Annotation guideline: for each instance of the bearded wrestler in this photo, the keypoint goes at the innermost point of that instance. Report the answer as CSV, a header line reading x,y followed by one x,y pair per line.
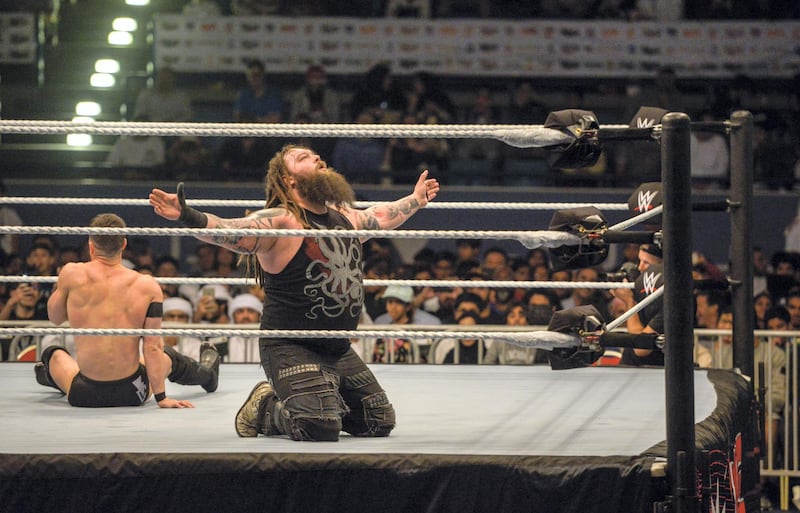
x,y
315,388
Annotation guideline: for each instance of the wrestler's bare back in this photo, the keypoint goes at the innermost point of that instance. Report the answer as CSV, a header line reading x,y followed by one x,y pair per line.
x,y
103,295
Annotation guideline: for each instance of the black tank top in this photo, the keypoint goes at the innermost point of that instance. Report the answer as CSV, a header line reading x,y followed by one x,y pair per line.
x,y
320,288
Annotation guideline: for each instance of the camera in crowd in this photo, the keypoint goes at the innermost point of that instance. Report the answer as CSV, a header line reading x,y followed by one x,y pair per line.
x,y
629,271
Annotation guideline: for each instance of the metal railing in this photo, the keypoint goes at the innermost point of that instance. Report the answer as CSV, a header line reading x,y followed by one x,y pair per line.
x,y
776,358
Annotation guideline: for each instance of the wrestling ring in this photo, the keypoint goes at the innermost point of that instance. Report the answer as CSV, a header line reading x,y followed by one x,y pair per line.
x,y
468,438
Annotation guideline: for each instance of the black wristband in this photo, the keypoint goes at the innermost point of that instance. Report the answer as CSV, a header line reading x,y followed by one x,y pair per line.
x,y
160,396
190,217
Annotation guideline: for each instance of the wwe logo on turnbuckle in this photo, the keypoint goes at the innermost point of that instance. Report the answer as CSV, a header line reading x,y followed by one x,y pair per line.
x,y
645,123
649,281
645,200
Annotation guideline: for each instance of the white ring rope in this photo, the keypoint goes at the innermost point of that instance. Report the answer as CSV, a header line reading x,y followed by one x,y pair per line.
x,y
451,205
616,323
448,328
521,136
541,339
514,135
624,225
370,282
529,239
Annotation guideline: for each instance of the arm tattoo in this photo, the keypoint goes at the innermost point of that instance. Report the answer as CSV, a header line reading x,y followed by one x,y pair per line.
x,y
371,218
261,220
368,221
409,206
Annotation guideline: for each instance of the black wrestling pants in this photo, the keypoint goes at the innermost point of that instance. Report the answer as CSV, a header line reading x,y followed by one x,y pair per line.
x,y
320,394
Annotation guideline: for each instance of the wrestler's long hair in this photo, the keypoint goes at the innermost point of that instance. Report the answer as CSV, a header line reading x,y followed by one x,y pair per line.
x,y
278,195
276,188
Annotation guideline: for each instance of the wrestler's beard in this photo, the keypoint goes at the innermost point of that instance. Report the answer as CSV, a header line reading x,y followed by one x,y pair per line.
x,y
325,187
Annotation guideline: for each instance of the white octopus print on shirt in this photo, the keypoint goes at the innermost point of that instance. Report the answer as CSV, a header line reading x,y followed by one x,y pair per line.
x,y
335,277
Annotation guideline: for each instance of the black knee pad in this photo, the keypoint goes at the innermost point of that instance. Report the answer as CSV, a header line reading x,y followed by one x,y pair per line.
x,y
316,430
315,409
42,369
379,415
47,354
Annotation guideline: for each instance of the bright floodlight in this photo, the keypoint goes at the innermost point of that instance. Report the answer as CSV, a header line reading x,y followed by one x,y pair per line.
x,y
102,80
106,66
118,38
137,2
88,109
79,140
124,24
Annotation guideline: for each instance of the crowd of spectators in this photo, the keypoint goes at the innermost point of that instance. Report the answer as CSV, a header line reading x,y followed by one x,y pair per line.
x,y
381,96
776,284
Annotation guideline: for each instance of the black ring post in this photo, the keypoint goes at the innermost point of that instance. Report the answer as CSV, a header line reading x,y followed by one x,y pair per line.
x,y
678,310
741,198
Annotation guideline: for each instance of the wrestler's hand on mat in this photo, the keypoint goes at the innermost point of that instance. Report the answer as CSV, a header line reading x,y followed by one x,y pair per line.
x,y
174,403
426,189
168,206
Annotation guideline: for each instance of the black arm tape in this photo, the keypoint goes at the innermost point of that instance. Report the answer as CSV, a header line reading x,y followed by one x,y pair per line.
x,y
156,309
190,217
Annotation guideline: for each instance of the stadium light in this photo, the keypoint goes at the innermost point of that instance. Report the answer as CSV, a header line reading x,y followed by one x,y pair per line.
x,y
88,109
124,24
79,140
119,38
107,66
102,80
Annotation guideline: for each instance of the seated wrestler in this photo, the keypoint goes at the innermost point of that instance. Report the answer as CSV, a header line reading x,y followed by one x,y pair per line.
x,y
110,370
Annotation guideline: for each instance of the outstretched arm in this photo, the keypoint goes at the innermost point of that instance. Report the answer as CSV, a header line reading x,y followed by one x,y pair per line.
x,y
173,207
387,216
266,219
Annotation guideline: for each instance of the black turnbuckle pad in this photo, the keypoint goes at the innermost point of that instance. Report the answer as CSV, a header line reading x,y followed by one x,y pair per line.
x,y
585,149
587,223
